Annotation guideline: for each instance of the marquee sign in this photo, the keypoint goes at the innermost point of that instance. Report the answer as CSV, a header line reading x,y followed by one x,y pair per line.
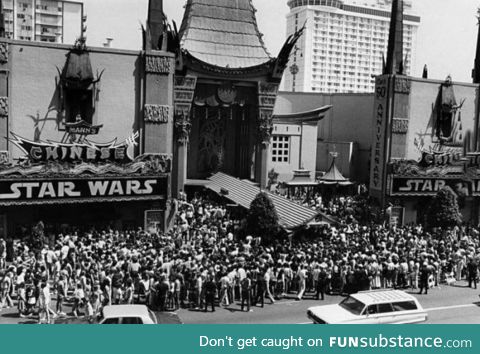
x,y
378,155
82,128
403,186
28,191
86,151
450,158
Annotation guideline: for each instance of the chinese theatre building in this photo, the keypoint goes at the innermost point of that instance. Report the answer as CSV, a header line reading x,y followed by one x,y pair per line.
x,y
225,90
106,138
82,144
425,137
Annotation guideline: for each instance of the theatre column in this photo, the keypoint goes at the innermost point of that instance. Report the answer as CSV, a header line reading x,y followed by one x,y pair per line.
x,y
183,96
4,101
267,94
4,129
158,105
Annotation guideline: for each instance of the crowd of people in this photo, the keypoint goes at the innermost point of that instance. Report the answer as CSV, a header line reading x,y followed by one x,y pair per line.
x,y
201,264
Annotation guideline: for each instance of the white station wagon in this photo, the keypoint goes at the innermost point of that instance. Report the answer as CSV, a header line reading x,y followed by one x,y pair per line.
x,y
371,307
127,314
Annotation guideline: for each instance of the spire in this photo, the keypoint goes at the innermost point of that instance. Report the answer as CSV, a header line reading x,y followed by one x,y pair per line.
x,y
425,72
395,41
476,69
155,24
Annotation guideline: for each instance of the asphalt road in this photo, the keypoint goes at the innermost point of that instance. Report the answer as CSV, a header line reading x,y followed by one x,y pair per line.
x,y
445,305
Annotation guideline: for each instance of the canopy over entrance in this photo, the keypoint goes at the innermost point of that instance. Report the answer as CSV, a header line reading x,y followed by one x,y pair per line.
x,y
290,214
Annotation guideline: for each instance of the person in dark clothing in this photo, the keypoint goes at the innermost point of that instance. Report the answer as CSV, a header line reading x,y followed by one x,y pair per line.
x,y
162,291
210,291
362,279
261,288
472,273
321,284
246,286
424,273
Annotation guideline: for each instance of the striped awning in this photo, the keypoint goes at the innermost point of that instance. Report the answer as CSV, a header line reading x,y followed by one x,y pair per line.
x,y
290,214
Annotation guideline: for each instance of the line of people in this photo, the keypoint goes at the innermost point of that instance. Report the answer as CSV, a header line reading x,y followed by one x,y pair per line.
x,y
201,263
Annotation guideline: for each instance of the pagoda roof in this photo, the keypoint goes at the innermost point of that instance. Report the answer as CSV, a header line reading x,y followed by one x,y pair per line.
x,y
312,116
301,178
334,176
223,33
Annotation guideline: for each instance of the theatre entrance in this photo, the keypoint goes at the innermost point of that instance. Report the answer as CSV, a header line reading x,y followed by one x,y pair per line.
x,y
223,136
67,218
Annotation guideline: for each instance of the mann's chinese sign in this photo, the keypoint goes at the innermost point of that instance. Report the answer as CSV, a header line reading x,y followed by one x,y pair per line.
x,y
88,151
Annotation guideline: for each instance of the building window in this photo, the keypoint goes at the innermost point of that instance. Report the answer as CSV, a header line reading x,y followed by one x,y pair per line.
x,y
281,148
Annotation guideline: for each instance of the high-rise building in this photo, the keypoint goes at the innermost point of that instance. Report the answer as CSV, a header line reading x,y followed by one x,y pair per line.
x,y
43,20
344,44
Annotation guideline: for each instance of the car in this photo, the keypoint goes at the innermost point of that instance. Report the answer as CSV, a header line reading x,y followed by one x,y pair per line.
x,y
126,314
371,307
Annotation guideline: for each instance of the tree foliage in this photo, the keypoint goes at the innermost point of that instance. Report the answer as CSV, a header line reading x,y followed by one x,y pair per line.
x,y
443,210
262,218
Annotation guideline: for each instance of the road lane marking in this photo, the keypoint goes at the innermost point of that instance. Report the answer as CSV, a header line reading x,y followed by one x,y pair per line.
x,y
450,307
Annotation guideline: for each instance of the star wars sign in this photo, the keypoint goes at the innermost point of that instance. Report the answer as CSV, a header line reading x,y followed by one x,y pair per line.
x,y
402,186
86,151
29,191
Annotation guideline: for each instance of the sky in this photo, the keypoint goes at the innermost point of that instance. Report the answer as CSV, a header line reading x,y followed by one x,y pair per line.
x,y
446,39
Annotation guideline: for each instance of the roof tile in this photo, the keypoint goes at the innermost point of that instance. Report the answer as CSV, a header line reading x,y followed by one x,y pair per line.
x,y
223,33
243,193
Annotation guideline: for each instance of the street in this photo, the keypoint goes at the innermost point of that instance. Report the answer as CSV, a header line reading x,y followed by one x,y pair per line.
x,y
445,305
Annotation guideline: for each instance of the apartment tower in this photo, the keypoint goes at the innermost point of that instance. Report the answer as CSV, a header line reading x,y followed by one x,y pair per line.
x,y
344,44
43,20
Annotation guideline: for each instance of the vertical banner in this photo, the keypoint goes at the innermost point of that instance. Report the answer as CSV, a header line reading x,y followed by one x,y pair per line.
x,y
379,145
397,216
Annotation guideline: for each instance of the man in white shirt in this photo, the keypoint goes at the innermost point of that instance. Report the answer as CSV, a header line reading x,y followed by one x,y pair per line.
x,y
302,282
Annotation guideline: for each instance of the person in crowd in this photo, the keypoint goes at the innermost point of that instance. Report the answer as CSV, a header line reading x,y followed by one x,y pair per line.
x,y
246,286
78,300
61,289
321,284
424,274
205,247
472,269
21,300
210,292
3,253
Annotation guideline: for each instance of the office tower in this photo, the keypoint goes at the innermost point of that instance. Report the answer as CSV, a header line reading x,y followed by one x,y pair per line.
x,y
43,20
344,44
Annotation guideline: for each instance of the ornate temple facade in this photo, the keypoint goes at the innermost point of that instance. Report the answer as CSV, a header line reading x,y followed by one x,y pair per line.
x,y
103,137
226,85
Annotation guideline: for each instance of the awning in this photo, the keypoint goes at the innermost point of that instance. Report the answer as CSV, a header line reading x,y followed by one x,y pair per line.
x,y
327,183
301,178
290,214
